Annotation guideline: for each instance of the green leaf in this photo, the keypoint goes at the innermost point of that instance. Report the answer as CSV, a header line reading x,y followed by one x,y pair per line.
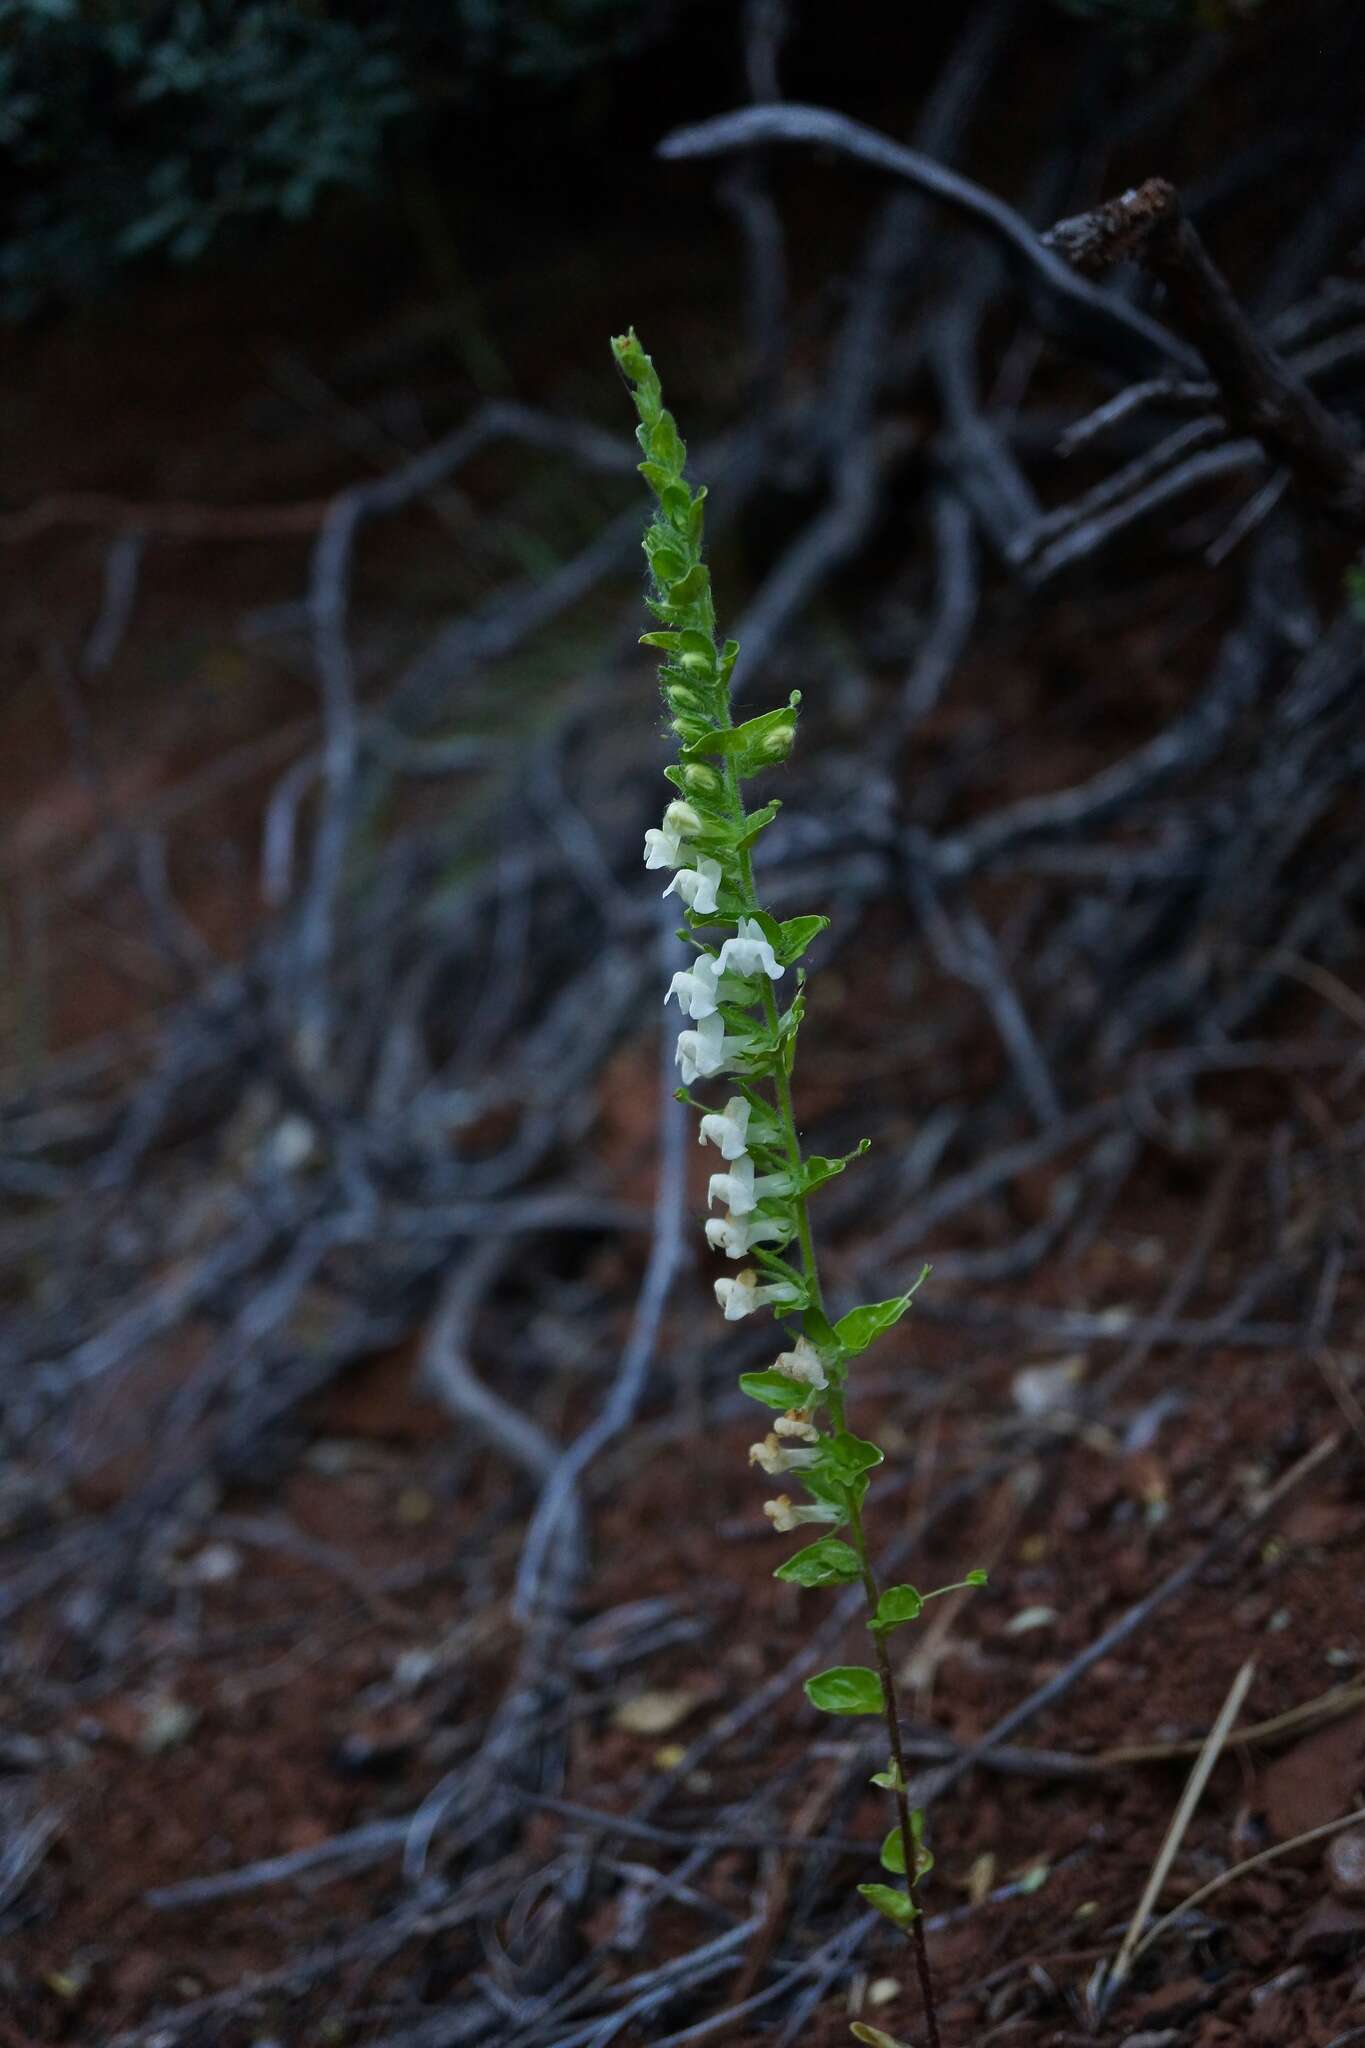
x,y
691,588
774,1389
816,1169
874,2037
846,1689
906,1603
850,1455
826,1563
758,743
977,1578
893,1849
669,567
676,501
897,1604
890,1779
834,1488
665,445
796,934
756,822
897,1906
861,1326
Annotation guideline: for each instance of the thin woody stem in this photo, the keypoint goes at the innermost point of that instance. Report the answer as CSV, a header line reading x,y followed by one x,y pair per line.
x,y
915,1931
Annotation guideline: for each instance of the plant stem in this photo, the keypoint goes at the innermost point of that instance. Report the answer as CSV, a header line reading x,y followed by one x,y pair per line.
x,y
915,1931
835,1398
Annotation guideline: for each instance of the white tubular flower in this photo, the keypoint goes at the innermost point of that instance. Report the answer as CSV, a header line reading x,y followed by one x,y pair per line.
x,y
773,1459
803,1363
735,1188
695,988
697,886
742,1295
727,1128
748,952
785,1515
794,1423
733,1235
738,1189
701,1053
664,849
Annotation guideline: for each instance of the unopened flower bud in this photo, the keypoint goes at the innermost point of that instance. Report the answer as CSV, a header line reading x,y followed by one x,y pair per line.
x,y
680,818
683,699
777,742
702,779
698,664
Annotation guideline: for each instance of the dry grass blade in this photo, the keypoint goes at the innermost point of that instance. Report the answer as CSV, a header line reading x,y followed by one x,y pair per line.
x,y
1271,1855
1106,1983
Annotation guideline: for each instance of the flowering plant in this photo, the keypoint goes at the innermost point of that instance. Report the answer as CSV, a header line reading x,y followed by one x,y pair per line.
x,y
735,1025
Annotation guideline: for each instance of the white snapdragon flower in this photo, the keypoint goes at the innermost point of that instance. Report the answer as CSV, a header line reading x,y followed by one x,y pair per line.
x,y
695,988
785,1515
664,844
738,1189
697,886
748,952
773,1459
734,1235
803,1363
742,1295
727,1129
701,1053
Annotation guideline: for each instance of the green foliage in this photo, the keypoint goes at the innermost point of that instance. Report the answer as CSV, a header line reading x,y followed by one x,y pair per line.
x,y
827,1563
898,1907
847,1689
899,1604
816,1169
773,1389
896,1605
862,1326
131,128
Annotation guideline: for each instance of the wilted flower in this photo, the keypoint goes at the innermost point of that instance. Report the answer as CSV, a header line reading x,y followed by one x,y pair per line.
x,y
772,1458
784,1514
802,1362
795,1423
742,1295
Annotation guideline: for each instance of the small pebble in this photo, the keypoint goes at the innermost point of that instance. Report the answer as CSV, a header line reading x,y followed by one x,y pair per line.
x,y
1346,1866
